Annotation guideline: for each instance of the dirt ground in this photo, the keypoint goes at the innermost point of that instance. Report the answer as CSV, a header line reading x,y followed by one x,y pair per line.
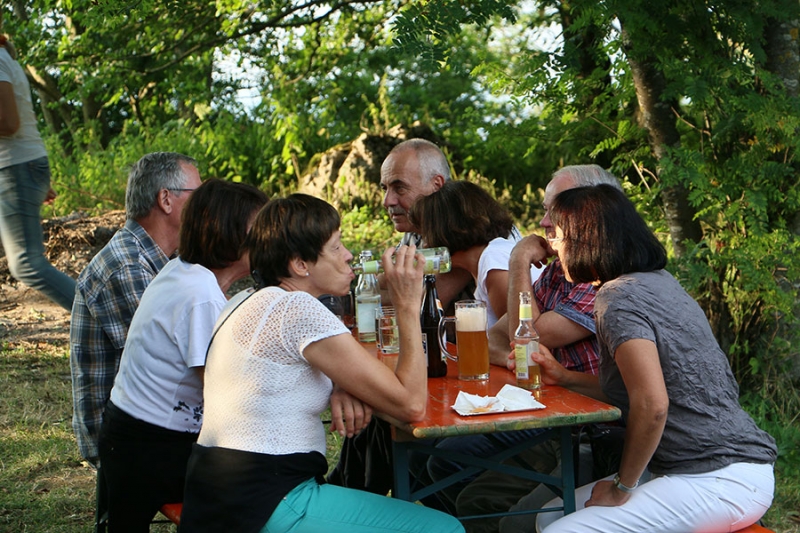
x,y
71,242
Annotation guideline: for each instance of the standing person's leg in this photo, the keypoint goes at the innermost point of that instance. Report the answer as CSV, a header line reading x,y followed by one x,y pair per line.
x,y
482,446
311,508
539,497
727,499
496,492
23,188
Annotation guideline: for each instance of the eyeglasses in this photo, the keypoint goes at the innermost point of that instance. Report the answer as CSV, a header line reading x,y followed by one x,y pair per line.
x,y
553,240
180,190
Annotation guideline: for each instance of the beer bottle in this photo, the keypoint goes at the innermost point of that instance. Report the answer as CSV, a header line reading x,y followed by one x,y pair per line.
x,y
526,342
437,261
429,320
368,299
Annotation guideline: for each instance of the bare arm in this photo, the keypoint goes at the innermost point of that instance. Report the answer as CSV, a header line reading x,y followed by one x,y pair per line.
x,y
499,343
403,394
496,289
530,250
639,365
554,330
9,116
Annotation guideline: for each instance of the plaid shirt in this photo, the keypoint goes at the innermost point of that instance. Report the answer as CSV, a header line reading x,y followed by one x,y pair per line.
x,y
107,294
574,301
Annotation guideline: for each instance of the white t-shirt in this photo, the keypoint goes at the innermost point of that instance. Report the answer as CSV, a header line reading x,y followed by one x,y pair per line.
x,y
261,394
26,144
158,379
495,257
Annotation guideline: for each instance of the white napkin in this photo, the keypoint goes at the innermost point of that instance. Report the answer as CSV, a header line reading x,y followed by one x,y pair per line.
x,y
510,398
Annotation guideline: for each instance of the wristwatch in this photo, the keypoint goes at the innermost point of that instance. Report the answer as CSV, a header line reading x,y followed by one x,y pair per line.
x,y
624,488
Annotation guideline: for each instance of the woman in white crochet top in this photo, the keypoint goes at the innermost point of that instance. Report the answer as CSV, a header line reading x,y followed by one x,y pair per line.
x,y
259,463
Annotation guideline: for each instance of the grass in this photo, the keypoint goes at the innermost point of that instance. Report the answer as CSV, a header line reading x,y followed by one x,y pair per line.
x,y
46,488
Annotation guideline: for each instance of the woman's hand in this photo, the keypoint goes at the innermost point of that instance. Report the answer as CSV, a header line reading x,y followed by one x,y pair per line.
x,y
349,415
605,494
553,372
404,276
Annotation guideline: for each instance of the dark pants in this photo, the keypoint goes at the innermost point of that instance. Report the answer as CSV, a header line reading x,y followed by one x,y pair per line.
x,y
365,463
365,460
144,467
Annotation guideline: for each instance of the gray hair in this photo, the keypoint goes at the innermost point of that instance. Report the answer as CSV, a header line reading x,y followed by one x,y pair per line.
x,y
432,161
588,176
153,172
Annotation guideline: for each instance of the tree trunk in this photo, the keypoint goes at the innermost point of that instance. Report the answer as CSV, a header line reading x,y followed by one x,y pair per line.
x,y
783,53
57,112
93,116
783,59
658,119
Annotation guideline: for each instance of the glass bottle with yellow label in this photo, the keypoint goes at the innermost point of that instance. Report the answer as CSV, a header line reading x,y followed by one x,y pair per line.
x,y
526,342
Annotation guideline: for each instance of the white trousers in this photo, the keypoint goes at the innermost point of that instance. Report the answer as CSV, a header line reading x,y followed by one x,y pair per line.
x,y
721,501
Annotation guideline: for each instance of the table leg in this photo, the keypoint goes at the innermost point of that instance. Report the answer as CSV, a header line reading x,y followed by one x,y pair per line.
x,y
567,470
402,483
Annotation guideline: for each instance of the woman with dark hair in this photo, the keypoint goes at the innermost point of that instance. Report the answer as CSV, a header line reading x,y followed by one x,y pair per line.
x,y
479,233
711,466
259,462
156,407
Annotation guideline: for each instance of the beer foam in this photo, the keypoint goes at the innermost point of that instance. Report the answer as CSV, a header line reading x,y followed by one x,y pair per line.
x,y
471,319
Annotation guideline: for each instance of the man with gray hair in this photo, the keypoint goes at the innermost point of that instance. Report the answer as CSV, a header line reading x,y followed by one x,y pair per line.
x,y
416,168
413,168
110,287
555,326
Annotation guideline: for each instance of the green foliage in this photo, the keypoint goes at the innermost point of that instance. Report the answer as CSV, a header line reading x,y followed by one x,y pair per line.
x,y
752,277
735,153
775,408
365,229
424,28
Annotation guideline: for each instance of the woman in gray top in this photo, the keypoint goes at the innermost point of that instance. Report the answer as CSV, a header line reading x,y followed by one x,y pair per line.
x,y
711,465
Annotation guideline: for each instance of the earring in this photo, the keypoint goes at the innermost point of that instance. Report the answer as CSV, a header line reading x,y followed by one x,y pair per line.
x,y
308,274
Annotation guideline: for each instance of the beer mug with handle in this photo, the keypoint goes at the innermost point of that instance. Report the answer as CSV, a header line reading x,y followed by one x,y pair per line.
x,y
472,344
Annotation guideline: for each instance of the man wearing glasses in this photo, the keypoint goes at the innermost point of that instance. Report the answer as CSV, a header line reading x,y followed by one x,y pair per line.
x,y
110,287
564,319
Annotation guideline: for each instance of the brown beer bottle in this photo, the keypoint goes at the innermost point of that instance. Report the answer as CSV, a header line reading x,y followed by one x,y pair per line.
x,y
429,320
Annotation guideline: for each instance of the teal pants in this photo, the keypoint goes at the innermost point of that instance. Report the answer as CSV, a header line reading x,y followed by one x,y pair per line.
x,y
314,508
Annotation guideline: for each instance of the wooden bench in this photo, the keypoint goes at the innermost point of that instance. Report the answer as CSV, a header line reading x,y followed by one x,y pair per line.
x,y
173,512
755,528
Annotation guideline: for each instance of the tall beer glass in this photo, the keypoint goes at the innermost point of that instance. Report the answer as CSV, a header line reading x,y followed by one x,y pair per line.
x,y
472,344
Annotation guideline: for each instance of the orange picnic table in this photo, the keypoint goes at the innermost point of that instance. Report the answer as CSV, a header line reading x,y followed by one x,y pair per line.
x,y
563,411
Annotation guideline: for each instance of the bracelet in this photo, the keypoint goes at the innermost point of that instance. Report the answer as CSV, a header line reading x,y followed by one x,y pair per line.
x,y
624,488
